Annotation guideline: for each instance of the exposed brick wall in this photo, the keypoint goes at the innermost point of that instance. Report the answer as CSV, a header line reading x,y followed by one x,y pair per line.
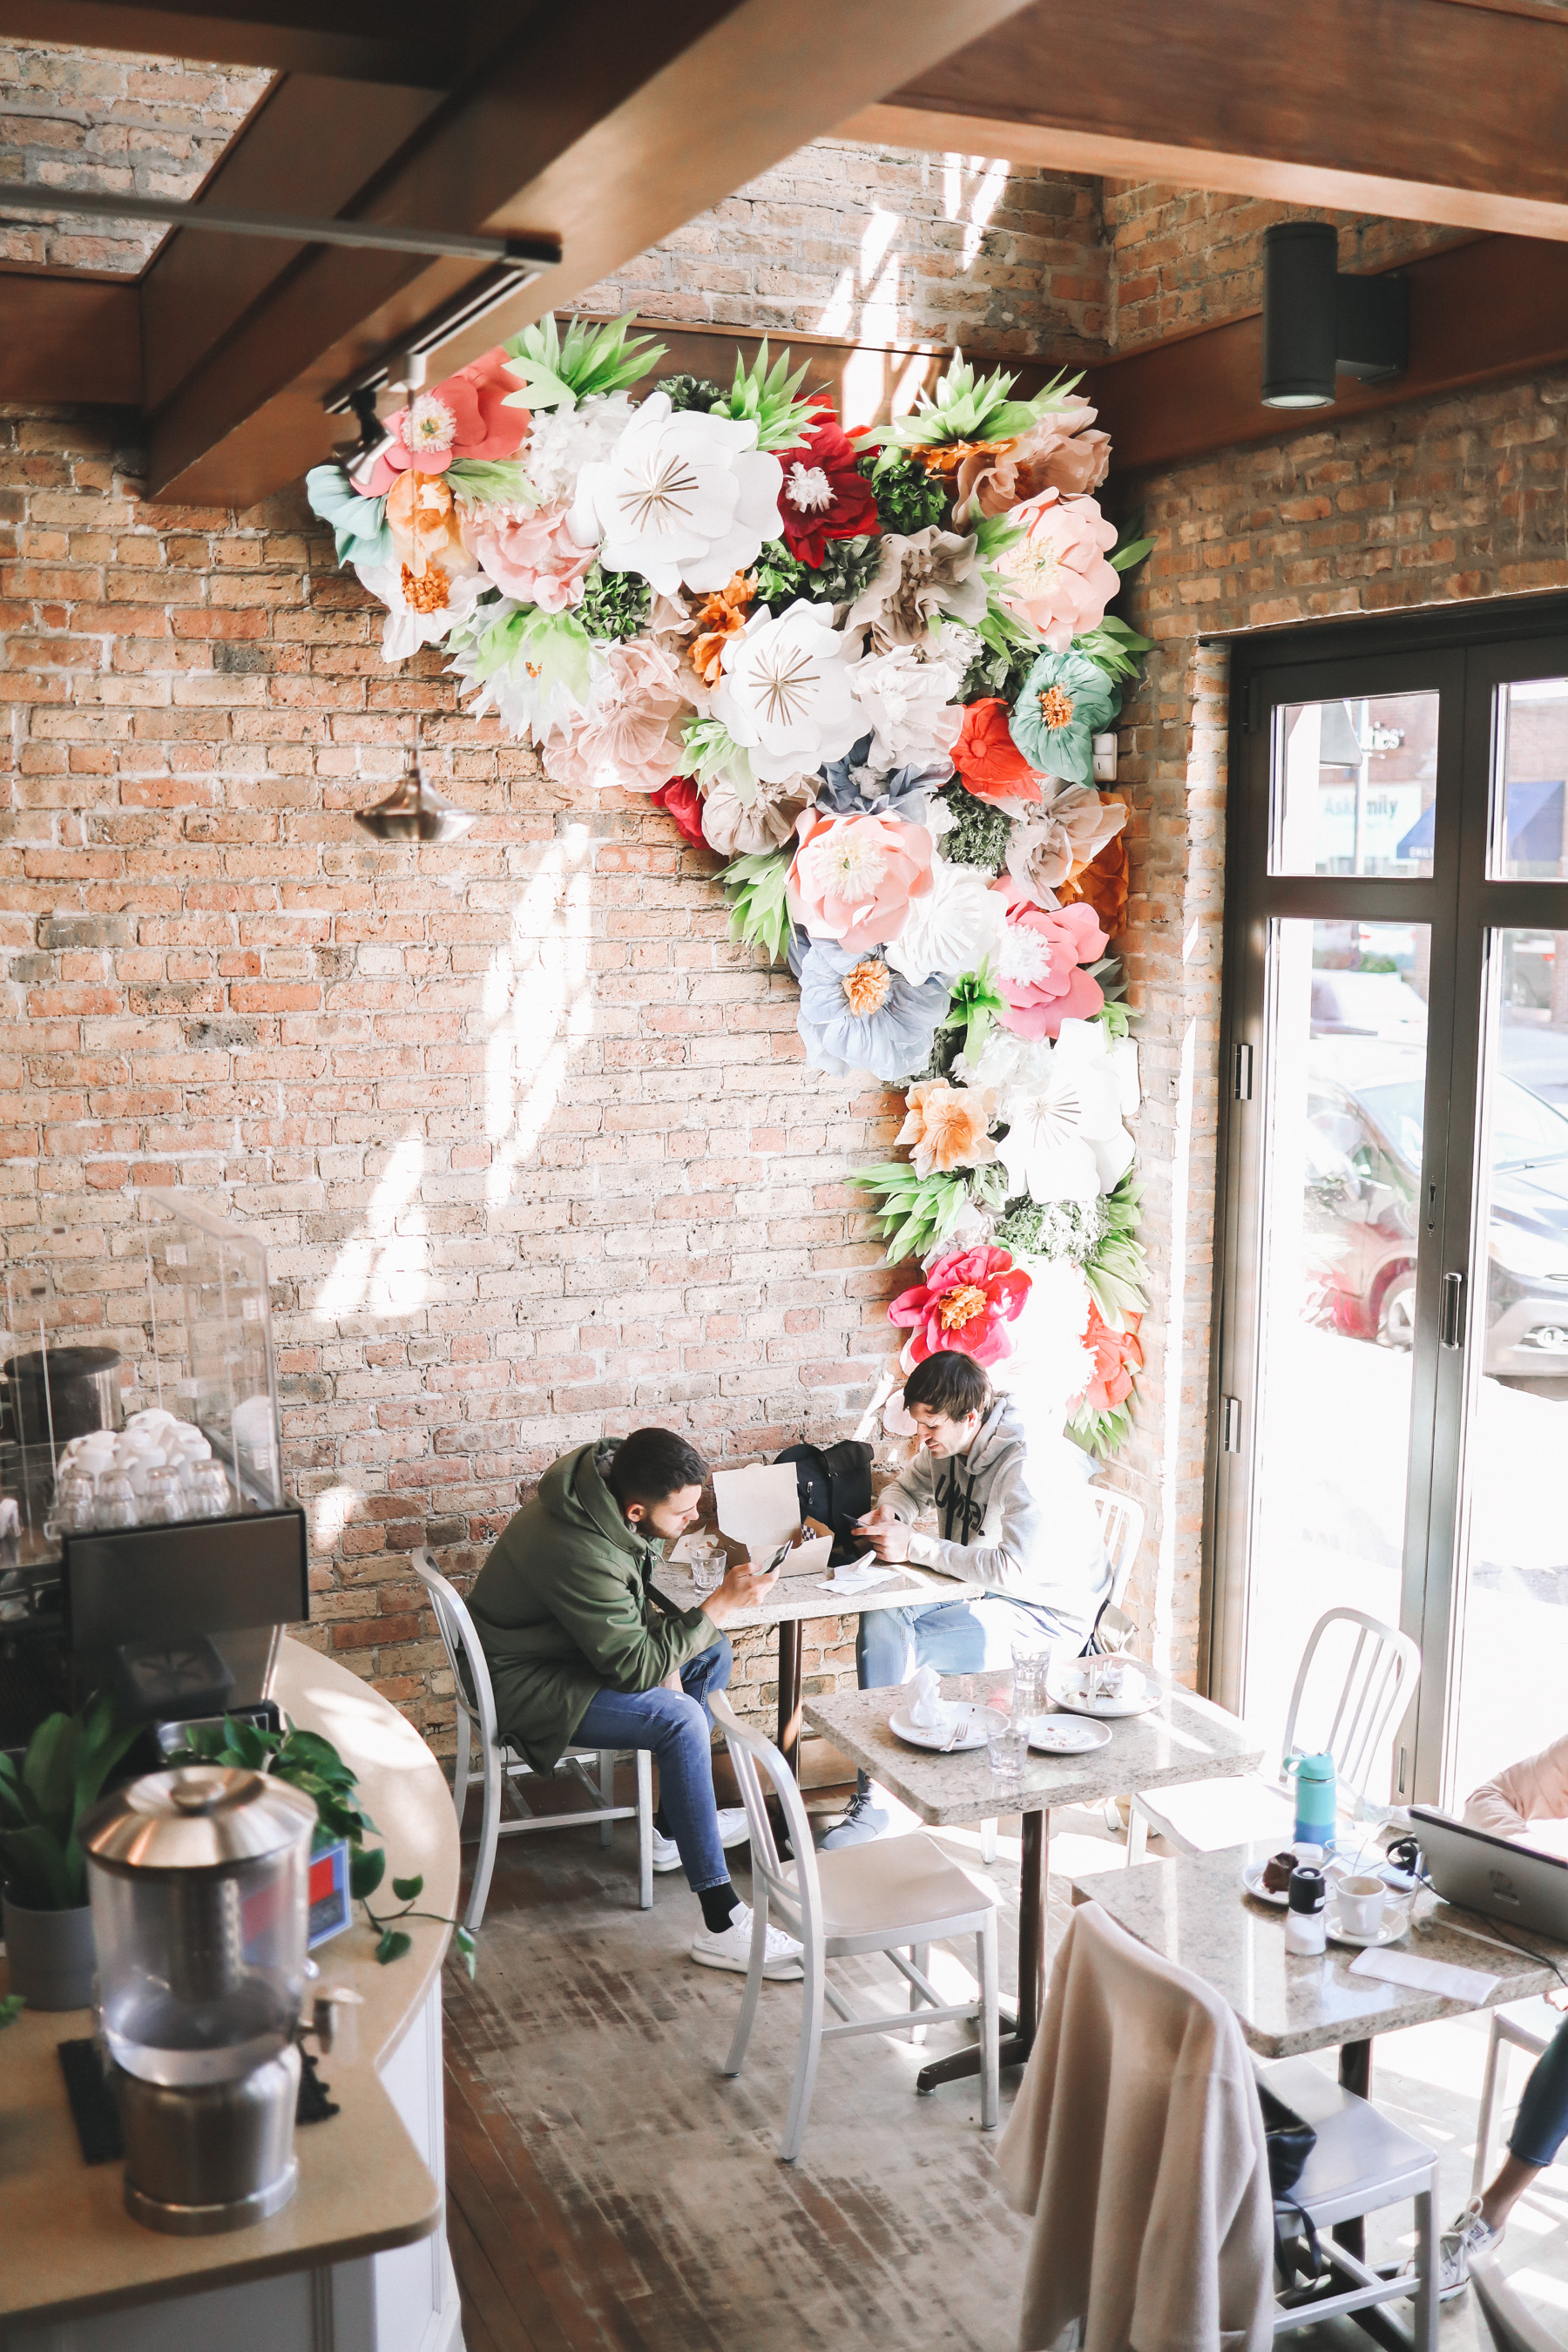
x,y
92,119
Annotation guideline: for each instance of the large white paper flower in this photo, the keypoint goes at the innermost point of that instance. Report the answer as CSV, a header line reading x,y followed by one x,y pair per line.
x,y
1064,1107
683,497
909,707
562,441
406,628
952,928
785,693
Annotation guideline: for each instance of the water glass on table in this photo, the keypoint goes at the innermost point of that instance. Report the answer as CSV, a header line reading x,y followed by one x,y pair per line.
x,y
1031,1673
706,1558
1007,1752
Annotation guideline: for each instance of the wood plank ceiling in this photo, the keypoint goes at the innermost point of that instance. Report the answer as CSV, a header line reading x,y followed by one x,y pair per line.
x,y
612,125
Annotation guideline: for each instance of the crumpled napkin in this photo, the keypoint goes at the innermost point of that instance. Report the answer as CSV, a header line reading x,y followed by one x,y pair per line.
x,y
928,1707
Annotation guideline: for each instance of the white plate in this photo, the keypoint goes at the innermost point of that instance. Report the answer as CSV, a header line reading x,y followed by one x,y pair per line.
x,y
1252,1879
1389,1932
1068,1686
974,1723
1057,1735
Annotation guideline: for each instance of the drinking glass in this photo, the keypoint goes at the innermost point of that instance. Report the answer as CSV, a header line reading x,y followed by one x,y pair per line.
x,y
163,1499
116,1504
1031,1674
708,1562
1007,1752
207,1487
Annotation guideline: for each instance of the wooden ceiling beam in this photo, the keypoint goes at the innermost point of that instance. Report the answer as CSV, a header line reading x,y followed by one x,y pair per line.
x,y
611,126
69,334
1479,313
352,40
1415,109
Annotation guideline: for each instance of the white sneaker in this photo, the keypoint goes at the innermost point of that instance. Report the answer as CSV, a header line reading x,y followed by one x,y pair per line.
x,y
733,1949
733,1830
1469,2236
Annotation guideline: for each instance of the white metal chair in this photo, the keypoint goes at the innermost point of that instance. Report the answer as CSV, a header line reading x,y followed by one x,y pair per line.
x,y
1511,2326
500,1766
1121,1532
1362,2163
1505,2032
898,1896
1380,1680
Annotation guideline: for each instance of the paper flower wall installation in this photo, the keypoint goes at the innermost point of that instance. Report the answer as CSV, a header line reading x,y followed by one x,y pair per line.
x,y
865,669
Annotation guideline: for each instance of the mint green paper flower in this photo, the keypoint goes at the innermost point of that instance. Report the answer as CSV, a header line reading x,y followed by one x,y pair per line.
x,y
1064,702
359,525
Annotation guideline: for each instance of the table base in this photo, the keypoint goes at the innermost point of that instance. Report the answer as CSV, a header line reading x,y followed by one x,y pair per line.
x,y
1034,1890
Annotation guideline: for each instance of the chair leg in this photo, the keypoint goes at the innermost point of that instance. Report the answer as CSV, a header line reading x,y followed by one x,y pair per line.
x,y
645,1828
1493,2091
485,1859
920,1958
1137,1834
811,2015
606,1791
753,1991
988,1841
460,1769
1424,2304
990,2068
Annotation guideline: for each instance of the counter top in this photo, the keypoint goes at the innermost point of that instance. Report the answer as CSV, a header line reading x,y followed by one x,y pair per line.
x,y
67,2245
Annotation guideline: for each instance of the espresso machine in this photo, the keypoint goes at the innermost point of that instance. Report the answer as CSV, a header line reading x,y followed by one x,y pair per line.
x,y
198,1878
145,1545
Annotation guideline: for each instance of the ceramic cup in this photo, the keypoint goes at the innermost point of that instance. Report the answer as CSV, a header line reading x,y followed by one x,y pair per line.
x,y
1361,1905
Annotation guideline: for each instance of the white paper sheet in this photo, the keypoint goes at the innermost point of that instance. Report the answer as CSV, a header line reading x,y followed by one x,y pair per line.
x,y
1426,1976
860,1576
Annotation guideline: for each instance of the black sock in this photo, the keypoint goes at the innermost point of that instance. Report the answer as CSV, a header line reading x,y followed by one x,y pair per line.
x,y
660,1824
720,1905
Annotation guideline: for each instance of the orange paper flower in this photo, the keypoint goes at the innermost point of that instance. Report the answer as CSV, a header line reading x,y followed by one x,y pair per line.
x,y
990,763
720,617
1118,1360
1102,884
946,1127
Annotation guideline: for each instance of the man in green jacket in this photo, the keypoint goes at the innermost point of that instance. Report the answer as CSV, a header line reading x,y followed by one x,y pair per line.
x,y
582,1653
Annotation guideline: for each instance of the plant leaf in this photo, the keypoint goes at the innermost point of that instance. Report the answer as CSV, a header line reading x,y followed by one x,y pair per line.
x,y
36,1869
367,1868
465,1947
405,1889
394,1942
50,1768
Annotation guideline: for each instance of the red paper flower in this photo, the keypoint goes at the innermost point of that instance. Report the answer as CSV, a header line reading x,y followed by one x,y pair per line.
x,y
990,763
1118,1360
464,415
1039,966
822,496
682,800
966,1302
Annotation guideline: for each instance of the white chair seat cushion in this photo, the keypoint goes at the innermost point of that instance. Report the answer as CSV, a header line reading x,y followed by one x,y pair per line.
x,y
1206,1815
896,1881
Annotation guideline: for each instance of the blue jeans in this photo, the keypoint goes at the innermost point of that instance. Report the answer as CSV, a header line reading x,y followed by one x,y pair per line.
x,y
675,1725
956,1637
1540,2125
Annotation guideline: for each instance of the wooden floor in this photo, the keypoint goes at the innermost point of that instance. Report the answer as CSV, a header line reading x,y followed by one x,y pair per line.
x,y
609,2187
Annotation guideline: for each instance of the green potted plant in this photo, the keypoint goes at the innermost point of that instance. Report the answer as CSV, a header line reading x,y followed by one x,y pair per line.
x,y
44,1907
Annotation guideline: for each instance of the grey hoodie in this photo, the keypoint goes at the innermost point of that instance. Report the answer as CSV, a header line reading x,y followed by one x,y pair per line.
x,y
993,1530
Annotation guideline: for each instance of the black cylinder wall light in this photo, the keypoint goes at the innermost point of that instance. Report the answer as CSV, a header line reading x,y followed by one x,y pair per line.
x,y
1301,264
1318,324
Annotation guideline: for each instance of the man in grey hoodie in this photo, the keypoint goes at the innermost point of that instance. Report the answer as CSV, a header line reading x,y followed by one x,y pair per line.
x,y
1045,1583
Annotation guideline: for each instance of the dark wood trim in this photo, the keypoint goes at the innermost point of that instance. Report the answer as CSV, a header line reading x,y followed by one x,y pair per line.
x,y
1414,108
1492,307
69,334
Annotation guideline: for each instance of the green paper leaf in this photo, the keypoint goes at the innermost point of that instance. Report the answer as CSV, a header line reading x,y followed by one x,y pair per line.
x,y
1122,559
766,397
595,359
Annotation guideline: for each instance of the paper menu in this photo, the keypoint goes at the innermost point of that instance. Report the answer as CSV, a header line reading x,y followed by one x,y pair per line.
x,y
759,1508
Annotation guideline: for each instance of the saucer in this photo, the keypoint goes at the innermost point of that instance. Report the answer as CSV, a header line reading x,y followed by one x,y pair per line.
x,y
979,1723
1252,1879
1391,1931
1056,1735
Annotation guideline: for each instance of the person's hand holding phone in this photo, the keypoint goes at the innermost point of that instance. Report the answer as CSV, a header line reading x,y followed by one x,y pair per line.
x,y
744,1586
888,1537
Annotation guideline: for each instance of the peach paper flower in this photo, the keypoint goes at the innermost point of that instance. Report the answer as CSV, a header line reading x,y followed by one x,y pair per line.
x,y
853,876
531,557
1039,968
1118,1360
992,766
946,1127
1060,453
1057,577
631,733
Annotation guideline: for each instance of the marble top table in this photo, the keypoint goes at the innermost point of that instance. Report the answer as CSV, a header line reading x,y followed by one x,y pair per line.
x,y
796,1599
1183,1739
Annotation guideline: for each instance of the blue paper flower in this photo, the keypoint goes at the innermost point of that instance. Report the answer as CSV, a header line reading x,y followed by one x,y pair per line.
x,y
1066,701
851,789
857,1013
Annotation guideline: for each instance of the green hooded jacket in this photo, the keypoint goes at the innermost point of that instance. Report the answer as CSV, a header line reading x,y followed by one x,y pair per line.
x,y
563,1610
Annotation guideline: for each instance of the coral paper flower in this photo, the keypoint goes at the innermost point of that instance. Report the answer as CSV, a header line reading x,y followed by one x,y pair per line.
x,y
683,498
854,877
1039,966
1059,452
1118,1360
946,1127
1057,577
856,1014
785,690
965,1303
464,415
532,557
1064,702
987,758
824,496
682,800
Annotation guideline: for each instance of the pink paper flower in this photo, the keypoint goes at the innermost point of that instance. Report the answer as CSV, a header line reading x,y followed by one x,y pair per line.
x,y
853,876
631,733
1056,577
534,558
965,1303
1039,970
464,415
1061,452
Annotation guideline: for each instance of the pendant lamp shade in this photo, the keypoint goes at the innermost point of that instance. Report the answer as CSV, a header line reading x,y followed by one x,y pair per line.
x,y
415,811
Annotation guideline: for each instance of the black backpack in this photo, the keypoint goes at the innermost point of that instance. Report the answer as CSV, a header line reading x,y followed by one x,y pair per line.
x,y
833,1483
